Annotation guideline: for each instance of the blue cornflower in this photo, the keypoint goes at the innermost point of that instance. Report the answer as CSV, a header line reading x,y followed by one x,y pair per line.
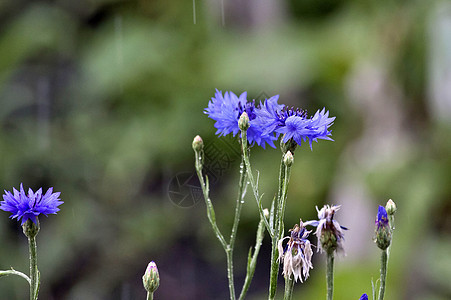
x,y
329,232
293,122
364,297
297,256
226,111
30,206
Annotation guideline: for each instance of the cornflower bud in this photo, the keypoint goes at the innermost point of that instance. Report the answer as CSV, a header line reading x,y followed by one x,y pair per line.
x,y
288,159
390,207
198,143
243,122
151,278
383,234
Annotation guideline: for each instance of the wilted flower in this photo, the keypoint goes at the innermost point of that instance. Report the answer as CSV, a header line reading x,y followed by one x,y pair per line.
x,y
151,278
329,233
383,234
226,111
29,207
297,256
364,297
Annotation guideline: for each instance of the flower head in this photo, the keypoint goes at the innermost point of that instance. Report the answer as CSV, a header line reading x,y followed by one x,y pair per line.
x,y
364,297
293,122
297,256
383,232
329,233
29,207
227,109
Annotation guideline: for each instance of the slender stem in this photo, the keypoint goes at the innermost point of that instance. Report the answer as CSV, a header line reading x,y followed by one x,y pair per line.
x,y
384,262
210,210
253,262
239,202
14,272
252,181
149,296
330,275
284,178
33,268
289,284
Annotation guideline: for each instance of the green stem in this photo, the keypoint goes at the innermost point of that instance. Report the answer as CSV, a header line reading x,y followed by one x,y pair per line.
x,y
253,262
330,275
384,262
149,296
284,178
245,150
14,272
34,282
289,284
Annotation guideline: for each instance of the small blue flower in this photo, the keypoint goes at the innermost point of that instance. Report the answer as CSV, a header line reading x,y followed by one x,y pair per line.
x,y
226,111
364,297
382,219
30,206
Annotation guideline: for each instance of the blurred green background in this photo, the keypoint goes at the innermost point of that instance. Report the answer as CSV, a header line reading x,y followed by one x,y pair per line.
x,y
101,100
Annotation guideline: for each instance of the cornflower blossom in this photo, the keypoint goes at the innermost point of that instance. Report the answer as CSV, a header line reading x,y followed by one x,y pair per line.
x,y
29,207
364,297
226,111
293,122
297,256
329,233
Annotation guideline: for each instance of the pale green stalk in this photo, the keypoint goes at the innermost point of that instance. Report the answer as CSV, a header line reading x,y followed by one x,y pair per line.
x,y
34,286
228,247
289,284
14,272
384,262
252,263
330,275
149,296
284,178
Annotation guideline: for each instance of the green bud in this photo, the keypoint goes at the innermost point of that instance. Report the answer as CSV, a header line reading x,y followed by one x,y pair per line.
x,y
30,229
243,122
390,207
198,143
288,159
151,278
266,213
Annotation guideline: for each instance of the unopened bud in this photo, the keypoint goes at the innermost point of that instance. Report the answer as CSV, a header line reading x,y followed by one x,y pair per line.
x,y
390,207
198,144
151,278
288,159
383,233
243,122
266,213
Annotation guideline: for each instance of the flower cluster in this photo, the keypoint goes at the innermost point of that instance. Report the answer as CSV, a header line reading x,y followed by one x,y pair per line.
x,y
329,233
29,207
297,256
268,120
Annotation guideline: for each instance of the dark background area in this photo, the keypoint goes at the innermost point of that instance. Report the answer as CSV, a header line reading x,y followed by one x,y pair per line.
x,y
101,100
